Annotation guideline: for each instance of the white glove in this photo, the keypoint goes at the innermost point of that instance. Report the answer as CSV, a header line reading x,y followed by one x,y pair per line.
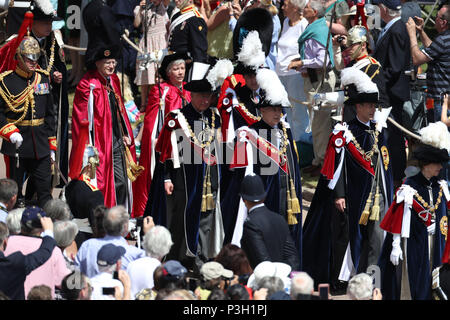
x,y
17,139
396,252
52,155
431,228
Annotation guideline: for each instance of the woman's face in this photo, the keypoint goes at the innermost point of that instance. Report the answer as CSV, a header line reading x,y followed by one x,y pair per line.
x,y
288,8
176,73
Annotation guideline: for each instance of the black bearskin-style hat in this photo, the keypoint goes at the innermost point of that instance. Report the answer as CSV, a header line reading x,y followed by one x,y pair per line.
x,y
103,37
258,19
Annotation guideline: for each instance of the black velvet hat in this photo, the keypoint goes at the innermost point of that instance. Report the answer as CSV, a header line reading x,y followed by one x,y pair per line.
x,y
167,60
202,85
43,11
359,97
252,188
430,154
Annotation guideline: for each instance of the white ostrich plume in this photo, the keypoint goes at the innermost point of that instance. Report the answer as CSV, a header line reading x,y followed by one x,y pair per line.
x,y
45,5
437,135
251,53
272,86
361,80
221,70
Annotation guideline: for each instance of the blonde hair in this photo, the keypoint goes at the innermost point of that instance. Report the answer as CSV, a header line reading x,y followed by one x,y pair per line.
x,y
267,4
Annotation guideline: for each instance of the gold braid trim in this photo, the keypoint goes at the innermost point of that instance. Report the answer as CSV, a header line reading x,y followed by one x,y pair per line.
x,y
19,103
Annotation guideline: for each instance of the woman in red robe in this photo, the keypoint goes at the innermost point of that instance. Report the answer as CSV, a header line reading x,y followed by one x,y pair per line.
x,y
163,98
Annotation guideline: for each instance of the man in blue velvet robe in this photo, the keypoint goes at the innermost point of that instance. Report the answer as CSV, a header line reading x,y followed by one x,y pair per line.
x,y
266,148
341,234
185,190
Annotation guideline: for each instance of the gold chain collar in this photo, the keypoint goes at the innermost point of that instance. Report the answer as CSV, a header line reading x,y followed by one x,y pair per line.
x,y
211,136
425,205
367,155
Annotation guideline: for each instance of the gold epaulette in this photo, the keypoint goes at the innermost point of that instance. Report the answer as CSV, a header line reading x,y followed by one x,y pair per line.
x,y
373,61
233,81
87,180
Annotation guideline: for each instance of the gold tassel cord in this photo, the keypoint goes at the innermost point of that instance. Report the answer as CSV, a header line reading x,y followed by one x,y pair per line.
x,y
295,202
375,215
203,208
365,214
133,170
210,205
291,219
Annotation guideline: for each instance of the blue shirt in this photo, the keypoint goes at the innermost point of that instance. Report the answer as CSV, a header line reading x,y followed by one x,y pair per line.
x,y
271,59
86,258
3,213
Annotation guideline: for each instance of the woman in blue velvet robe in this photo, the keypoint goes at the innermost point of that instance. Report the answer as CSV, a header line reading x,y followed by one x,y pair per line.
x,y
415,242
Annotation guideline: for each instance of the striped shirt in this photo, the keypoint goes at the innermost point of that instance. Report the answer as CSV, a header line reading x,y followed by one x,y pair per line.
x,y
438,73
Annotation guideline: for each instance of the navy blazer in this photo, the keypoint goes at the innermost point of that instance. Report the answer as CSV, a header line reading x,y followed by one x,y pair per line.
x,y
266,237
15,268
393,53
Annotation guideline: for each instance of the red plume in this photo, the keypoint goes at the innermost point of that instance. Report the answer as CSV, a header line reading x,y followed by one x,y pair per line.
x,y
360,13
8,51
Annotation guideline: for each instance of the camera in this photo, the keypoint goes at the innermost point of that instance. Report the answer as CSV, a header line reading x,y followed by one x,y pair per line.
x,y
340,39
135,227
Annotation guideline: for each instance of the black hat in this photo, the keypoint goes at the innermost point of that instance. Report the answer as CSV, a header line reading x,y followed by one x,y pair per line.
x,y
391,4
252,188
358,87
359,97
241,68
167,60
109,254
430,154
202,85
258,19
43,11
31,217
103,39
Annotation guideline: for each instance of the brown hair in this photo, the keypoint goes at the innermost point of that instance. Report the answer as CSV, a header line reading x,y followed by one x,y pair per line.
x,y
235,259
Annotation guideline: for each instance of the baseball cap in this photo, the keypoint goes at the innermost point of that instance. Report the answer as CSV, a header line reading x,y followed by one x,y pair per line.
x,y
213,270
174,268
31,217
109,254
391,4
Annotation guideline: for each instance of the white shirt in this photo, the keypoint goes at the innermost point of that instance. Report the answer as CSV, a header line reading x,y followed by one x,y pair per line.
x,y
288,46
104,280
255,207
141,274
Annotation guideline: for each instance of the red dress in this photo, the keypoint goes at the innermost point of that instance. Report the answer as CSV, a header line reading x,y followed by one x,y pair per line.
x,y
102,128
173,98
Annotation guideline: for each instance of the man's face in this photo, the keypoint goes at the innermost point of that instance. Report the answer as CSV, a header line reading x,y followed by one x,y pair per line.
x,y
250,82
365,111
201,100
352,50
182,3
271,115
27,64
106,67
441,24
42,28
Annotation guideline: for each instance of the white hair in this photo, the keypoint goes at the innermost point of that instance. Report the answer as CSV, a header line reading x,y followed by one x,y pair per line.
x,y
13,220
299,4
65,233
175,62
157,242
301,283
319,6
360,287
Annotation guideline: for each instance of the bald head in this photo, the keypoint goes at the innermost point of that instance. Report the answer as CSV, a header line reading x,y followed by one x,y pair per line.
x,y
115,221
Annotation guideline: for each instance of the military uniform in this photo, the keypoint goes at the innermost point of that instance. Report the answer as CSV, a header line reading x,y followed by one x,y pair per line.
x,y
188,34
34,119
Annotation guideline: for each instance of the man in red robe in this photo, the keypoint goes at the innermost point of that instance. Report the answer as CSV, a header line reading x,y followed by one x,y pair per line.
x,y
99,118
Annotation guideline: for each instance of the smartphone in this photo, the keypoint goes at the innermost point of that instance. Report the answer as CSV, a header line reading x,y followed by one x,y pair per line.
x,y
108,291
324,289
116,275
192,284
